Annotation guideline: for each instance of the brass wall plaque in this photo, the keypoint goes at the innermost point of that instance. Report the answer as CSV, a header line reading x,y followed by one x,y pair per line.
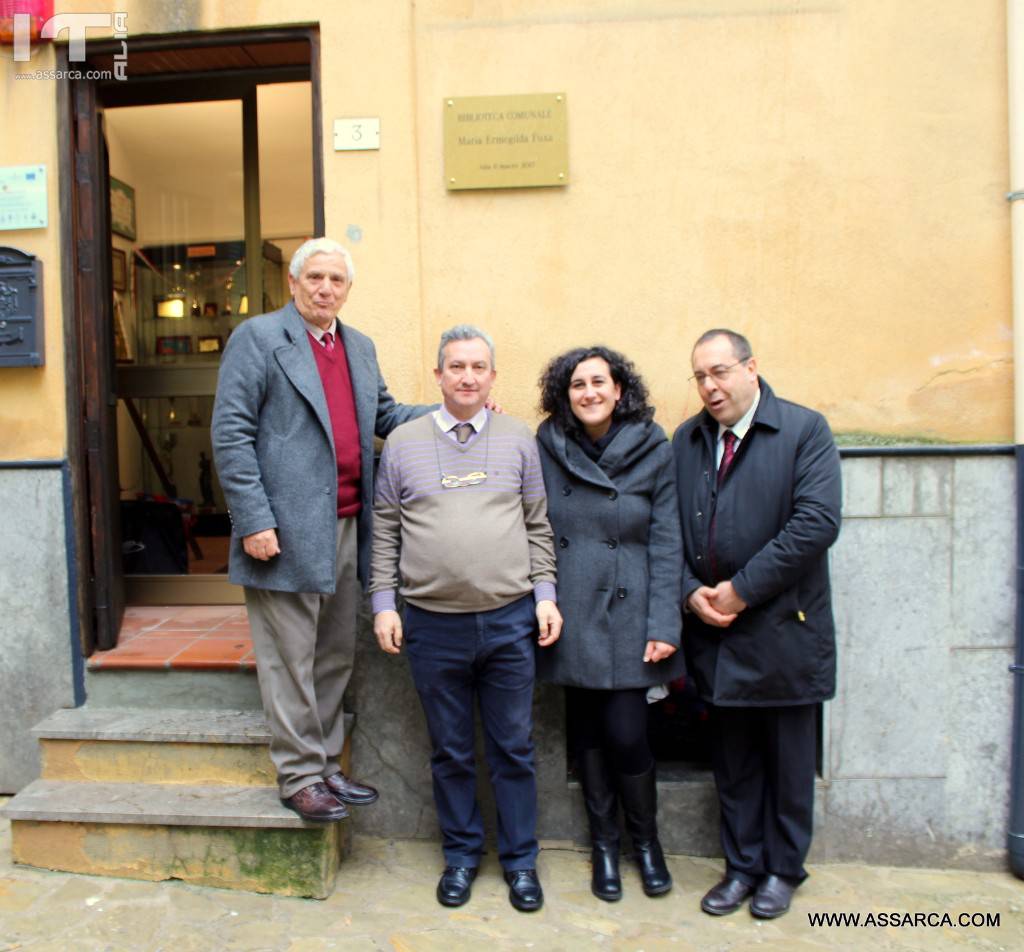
x,y
505,141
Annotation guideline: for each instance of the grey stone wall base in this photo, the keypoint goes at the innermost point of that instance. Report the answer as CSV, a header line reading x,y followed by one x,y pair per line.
x,y
36,655
916,743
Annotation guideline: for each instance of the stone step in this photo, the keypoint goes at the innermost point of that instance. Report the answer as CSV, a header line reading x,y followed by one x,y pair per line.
x,y
234,837
173,687
170,746
145,803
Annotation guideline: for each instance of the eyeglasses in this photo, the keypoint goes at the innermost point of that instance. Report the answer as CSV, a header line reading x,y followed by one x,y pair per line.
x,y
718,373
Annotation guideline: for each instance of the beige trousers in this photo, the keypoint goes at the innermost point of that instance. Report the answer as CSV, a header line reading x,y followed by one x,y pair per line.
x,y
305,645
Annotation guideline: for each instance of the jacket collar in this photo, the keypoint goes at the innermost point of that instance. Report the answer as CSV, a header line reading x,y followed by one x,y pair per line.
x,y
299,365
631,443
766,415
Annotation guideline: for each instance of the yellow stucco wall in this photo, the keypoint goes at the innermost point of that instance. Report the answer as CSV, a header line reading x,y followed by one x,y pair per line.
x,y
828,177
32,415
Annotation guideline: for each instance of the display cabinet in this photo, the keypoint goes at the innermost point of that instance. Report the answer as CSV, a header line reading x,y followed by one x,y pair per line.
x,y
189,298
181,306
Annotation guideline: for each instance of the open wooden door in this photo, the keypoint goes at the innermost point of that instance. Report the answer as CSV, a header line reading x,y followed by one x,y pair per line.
x,y
93,325
217,263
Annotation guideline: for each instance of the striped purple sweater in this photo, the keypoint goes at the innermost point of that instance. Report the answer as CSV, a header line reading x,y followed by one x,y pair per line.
x,y
476,546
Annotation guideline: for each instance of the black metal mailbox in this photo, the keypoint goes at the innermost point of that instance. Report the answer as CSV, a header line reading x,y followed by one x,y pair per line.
x,y
21,309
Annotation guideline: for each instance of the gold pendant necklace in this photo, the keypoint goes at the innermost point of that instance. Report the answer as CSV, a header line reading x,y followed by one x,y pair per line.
x,y
449,481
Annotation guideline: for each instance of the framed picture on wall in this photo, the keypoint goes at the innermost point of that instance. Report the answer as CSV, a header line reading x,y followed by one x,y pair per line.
x,y
172,346
122,209
211,344
119,269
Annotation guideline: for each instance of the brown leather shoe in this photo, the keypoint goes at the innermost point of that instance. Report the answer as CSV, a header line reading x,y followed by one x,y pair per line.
x,y
351,791
772,897
316,803
725,897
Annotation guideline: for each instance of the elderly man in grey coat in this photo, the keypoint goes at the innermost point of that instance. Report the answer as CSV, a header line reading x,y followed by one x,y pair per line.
x,y
299,399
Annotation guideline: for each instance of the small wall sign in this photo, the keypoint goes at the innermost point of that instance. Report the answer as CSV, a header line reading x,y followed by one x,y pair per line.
x,y
22,197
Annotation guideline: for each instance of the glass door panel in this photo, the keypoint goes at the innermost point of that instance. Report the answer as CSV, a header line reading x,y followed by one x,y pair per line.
x,y
181,166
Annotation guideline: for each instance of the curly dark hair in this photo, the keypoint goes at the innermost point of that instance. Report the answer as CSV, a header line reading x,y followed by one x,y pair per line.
x,y
554,388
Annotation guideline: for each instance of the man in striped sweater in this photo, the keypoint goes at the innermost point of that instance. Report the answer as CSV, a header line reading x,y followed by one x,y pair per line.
x,y
461,530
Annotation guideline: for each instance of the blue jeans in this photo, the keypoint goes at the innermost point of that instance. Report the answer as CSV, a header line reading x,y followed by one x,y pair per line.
x,y
490,655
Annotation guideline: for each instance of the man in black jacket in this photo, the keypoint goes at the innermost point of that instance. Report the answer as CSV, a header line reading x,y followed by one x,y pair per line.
x,y
759,492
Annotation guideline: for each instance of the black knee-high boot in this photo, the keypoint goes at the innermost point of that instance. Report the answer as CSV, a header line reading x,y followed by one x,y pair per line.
x,y
602,812
640,805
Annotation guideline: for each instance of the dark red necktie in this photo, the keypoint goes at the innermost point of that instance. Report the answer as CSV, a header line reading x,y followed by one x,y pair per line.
x,y
728,454
328,340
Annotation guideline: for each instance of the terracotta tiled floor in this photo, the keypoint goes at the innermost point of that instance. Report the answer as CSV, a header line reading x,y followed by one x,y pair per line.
x,y
181,636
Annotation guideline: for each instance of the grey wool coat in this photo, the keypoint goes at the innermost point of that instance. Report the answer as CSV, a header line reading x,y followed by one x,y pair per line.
x,y
274,449
619,552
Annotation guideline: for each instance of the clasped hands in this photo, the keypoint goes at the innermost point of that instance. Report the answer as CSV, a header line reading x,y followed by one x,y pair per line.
x,y
716,606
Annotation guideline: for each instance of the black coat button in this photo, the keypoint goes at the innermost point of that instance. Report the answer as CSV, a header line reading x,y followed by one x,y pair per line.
x,y
621,593
613,494
700,558
567,490
612,544
563,543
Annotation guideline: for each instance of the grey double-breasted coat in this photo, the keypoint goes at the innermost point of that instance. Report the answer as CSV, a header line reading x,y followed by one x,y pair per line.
x,y
617,542
274,448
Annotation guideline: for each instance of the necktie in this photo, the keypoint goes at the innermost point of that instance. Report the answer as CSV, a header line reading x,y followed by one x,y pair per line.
x,y
328,340
728,454
463,431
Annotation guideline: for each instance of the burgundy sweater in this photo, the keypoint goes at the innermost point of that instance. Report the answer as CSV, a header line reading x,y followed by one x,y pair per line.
x,y
341,406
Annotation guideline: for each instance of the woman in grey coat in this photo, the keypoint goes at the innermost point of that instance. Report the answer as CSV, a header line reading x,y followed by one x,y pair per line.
x,y
612,502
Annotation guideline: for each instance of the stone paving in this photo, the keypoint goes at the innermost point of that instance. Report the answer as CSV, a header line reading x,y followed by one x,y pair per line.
x,y
385,900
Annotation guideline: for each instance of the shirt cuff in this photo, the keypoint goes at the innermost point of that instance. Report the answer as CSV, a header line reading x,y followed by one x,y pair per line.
x,y
545,592
383,601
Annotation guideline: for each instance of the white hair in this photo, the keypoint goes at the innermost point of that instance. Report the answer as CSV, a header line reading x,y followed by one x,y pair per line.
x,y
320,246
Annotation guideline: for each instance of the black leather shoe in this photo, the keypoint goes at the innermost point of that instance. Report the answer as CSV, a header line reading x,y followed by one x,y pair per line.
x,y
772,897
654,874
351,791
455,885
605,881
316,803
524,890
726,897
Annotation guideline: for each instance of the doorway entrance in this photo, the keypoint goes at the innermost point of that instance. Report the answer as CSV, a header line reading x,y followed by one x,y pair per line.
x,y
195,180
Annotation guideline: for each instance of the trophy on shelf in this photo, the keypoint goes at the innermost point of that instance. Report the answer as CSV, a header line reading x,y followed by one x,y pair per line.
x,y
193,278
